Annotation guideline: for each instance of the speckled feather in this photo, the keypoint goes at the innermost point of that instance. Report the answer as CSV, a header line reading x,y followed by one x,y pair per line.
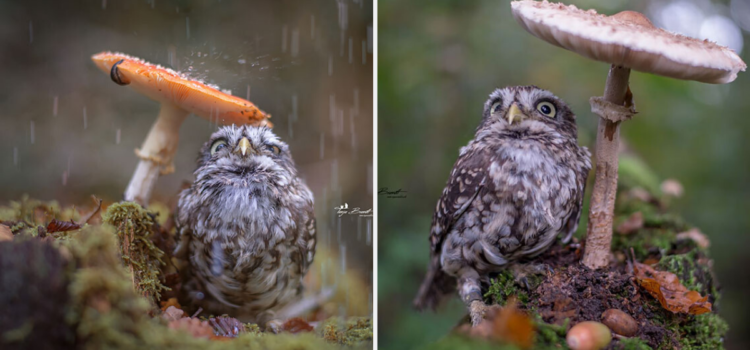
x,y
513,189
246,227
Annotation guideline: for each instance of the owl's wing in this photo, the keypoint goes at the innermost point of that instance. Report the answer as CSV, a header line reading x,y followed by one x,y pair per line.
x,y
571,225
466,182
306,239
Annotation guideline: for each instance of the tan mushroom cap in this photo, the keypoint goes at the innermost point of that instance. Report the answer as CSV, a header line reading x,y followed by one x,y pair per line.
x,y
628,39
167,86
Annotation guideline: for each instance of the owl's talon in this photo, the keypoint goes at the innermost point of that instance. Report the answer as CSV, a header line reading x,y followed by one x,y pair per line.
x,y
476,312
274,326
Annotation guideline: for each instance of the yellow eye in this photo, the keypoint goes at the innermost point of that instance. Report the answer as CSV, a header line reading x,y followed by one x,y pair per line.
x,y
274,149
546,108
218,145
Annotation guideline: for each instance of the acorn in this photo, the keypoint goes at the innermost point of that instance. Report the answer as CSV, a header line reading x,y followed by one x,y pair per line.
x,y
620,322
589,335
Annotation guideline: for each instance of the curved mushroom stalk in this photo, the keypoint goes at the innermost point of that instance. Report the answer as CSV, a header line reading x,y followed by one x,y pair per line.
x,y
156,154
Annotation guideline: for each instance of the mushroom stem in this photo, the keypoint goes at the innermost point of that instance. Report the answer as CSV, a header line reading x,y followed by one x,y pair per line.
x,y
156,153
601,211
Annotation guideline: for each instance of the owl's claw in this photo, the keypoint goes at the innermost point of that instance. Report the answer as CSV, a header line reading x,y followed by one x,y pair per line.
x,y
476,312
274,326
522,273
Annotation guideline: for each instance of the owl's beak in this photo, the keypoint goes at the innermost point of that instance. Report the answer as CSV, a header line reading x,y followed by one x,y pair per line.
x,y
244,145
514,113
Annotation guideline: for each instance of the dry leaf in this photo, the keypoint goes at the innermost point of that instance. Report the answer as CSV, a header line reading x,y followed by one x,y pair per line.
x,y
5,233
631,224
504,324
172,313
296,325
61,226
697,236
194,326
672,295
168,303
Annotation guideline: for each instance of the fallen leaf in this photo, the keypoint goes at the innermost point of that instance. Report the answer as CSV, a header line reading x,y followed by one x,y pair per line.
x,y
633,223
505,324
672,295
61,226
696,236
5,233
172,313
296,325
194,326
168,303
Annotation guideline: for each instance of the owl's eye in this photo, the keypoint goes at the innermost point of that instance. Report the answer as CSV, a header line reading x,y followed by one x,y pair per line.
x,y
496,107
273,149
218,145
546,108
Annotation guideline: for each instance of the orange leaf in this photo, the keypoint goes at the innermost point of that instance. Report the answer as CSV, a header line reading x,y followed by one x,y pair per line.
x,y
297,325
672,295
170,302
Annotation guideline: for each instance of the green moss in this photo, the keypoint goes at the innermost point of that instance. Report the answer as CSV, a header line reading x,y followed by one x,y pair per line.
x,y
704,332
550,336
504,286
692,272
632,344
460,342
355,331
134,227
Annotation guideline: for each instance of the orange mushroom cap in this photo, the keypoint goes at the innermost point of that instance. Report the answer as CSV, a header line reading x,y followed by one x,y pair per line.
x,y
168,86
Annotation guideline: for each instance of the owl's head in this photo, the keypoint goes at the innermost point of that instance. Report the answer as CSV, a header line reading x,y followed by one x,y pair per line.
x,y
528,108
246,154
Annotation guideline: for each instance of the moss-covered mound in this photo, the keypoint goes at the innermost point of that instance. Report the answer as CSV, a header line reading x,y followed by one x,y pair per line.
x,y
97,287
646,232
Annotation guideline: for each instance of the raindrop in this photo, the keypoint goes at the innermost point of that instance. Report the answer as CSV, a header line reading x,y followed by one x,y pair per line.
x,y
241,61
334,173
322,145
54,106
15,155
356,101
338,229
104,4
153,3
351,130
33,134
248,92
117,136
295,43
187,27
341,123
351,56
65,178
343,14
342,252
294,107
312,27
31,33
85,120
330,66
364,52
359,228
284,31
332,107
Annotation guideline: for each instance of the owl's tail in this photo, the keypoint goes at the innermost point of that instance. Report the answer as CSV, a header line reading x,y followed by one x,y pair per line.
x,y
436,284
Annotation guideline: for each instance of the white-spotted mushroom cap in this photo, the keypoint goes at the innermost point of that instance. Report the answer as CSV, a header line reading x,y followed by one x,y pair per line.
x,y
167,86
628,39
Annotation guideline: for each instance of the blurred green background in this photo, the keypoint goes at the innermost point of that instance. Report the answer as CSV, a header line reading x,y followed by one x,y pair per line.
x,y
67,131
438,61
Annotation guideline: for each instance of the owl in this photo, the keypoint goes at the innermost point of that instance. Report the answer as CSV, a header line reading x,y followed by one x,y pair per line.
x,y
515,186
245,227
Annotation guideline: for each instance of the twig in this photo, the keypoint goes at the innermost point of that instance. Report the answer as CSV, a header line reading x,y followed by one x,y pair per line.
x,y
200,309
86,218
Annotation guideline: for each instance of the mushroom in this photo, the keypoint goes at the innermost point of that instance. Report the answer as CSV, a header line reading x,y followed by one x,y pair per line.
x,y
178,96
627,41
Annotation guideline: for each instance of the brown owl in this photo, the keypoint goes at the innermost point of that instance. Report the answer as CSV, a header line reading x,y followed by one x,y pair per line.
x,y
516,186
246,226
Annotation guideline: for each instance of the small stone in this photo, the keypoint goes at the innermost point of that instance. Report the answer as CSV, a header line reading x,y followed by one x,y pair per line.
x,y
172,313
620,322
